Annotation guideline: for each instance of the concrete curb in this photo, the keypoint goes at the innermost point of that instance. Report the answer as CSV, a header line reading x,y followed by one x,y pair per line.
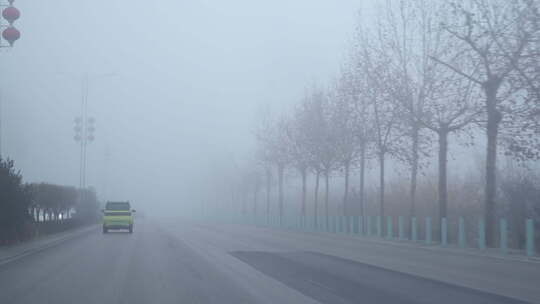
x,y
15,252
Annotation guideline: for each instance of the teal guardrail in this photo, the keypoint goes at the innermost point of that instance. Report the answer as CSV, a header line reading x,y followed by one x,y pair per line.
x,y
373,226
379,226
429,231
503,237
444,232
529,237
389,228
462,239
414,230
401,231
481,234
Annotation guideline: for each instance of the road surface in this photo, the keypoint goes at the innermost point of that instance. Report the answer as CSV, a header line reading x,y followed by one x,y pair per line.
x,y
175,261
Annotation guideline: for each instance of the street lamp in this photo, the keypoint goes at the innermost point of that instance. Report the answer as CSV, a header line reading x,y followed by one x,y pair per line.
x,y
84,134
85,128
10,33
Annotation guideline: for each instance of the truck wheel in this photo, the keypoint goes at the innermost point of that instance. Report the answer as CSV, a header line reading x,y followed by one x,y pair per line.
x,y
105,230
131,229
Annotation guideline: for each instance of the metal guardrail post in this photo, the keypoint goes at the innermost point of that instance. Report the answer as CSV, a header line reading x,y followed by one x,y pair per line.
x,y
401,231
462,240
328,223
330,220
389,228
428,231
379,226
444,232
414,231
529,224
481,234
368,225
503,239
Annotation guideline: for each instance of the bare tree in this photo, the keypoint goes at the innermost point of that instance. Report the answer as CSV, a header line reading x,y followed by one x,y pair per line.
x,y
320,140
298,133
256,187
281,156
383,111
308,120
404,40
433,97
344,125
493,35
450,108
264,156
354,86
274,141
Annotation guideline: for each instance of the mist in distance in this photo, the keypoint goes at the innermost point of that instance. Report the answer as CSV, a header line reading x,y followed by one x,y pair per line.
x,y
185,83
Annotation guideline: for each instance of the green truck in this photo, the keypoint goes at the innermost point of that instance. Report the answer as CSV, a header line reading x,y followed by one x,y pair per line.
x,y
117,215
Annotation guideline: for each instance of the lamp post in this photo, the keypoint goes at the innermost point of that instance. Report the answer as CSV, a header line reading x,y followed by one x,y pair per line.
x,y
10,34
84,129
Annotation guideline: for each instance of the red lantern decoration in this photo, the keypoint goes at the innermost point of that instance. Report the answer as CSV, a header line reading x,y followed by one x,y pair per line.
x,y
11,14
11,34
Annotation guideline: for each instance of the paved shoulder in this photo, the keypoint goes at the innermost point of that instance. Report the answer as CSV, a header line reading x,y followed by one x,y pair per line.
x,y
329,279
14,252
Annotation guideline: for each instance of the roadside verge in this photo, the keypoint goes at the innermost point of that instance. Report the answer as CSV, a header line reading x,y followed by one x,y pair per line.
x,y
14,252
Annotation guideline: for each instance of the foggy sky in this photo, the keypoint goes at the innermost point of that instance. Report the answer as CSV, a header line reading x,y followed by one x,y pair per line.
x,y
190,78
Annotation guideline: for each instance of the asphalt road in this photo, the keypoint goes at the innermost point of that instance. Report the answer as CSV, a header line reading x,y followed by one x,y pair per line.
x,y
178,262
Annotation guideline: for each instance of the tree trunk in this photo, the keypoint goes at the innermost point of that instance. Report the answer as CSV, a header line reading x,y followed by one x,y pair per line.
x,y
381,185
443,162
492,130
303,172
244,202
281,168
346,194
255,196
316,199
326,193
268,186
362,177
414,168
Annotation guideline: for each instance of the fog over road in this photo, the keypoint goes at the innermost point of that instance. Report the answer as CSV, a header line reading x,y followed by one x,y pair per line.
x,y
176,261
